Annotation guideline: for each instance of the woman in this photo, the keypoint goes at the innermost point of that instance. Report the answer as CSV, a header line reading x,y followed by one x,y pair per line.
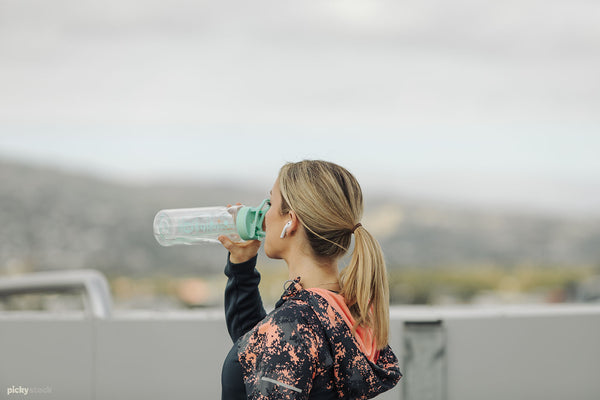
x,y
327,337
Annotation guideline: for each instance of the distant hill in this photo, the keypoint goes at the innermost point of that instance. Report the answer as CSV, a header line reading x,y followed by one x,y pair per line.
x,y
53,219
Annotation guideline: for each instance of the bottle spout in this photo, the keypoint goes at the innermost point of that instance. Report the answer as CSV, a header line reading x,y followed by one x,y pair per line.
x,y
249,221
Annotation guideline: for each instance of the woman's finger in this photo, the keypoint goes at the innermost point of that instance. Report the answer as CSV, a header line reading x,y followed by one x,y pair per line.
x,y
226,242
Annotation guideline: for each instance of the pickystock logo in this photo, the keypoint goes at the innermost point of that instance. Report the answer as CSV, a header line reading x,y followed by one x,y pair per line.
x,y
26,391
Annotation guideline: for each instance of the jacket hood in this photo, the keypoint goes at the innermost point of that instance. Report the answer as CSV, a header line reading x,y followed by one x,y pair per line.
x,y
365,339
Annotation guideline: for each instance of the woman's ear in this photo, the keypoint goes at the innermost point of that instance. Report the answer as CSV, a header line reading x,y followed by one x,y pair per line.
x,y
294,223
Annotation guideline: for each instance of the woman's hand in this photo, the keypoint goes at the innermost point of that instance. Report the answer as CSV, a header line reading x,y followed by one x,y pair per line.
x,y
240,251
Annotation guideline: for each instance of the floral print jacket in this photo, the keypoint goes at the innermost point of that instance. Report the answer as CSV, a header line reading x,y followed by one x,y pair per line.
x,y
303,349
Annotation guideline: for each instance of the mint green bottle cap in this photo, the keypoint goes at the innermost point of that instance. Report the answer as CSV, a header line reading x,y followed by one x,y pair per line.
x,y
249,221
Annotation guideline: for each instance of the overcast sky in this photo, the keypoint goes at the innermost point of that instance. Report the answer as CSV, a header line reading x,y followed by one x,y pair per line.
x,y
493,102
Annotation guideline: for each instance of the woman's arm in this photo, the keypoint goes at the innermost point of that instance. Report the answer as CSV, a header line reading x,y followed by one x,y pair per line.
x,y
281,357
243,304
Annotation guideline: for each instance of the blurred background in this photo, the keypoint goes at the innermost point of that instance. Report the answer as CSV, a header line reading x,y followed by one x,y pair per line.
x,y
473,128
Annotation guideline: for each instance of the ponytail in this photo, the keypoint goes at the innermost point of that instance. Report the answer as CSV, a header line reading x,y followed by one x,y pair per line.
x,y
328,202
365,286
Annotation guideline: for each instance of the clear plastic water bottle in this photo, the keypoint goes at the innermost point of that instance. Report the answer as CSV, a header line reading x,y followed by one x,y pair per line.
x,y
206,224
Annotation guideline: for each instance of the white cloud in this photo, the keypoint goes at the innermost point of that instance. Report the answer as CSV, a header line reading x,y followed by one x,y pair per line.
x,y
389,88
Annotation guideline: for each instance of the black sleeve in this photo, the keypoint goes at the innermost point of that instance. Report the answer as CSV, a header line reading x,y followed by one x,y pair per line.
x,y
243,304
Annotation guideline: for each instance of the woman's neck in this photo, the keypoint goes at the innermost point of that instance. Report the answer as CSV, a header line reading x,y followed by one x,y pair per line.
x,y
313,273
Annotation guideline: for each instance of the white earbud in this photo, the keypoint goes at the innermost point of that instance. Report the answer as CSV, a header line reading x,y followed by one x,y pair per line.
x,y
285,228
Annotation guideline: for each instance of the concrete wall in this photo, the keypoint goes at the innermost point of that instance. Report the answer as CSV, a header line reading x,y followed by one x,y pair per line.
x,y
517,352
449,354
536,356
44,353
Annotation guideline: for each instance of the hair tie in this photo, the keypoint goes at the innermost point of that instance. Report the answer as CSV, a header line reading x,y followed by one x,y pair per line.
x,y
356,226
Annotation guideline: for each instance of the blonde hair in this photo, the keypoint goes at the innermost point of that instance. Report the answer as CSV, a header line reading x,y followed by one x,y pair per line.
x,y
328,201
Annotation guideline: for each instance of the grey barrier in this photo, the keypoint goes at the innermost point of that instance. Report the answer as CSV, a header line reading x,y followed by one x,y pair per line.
x,y
446,353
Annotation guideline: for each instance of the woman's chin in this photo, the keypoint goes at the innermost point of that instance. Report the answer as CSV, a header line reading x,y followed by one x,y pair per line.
x,y
271,254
